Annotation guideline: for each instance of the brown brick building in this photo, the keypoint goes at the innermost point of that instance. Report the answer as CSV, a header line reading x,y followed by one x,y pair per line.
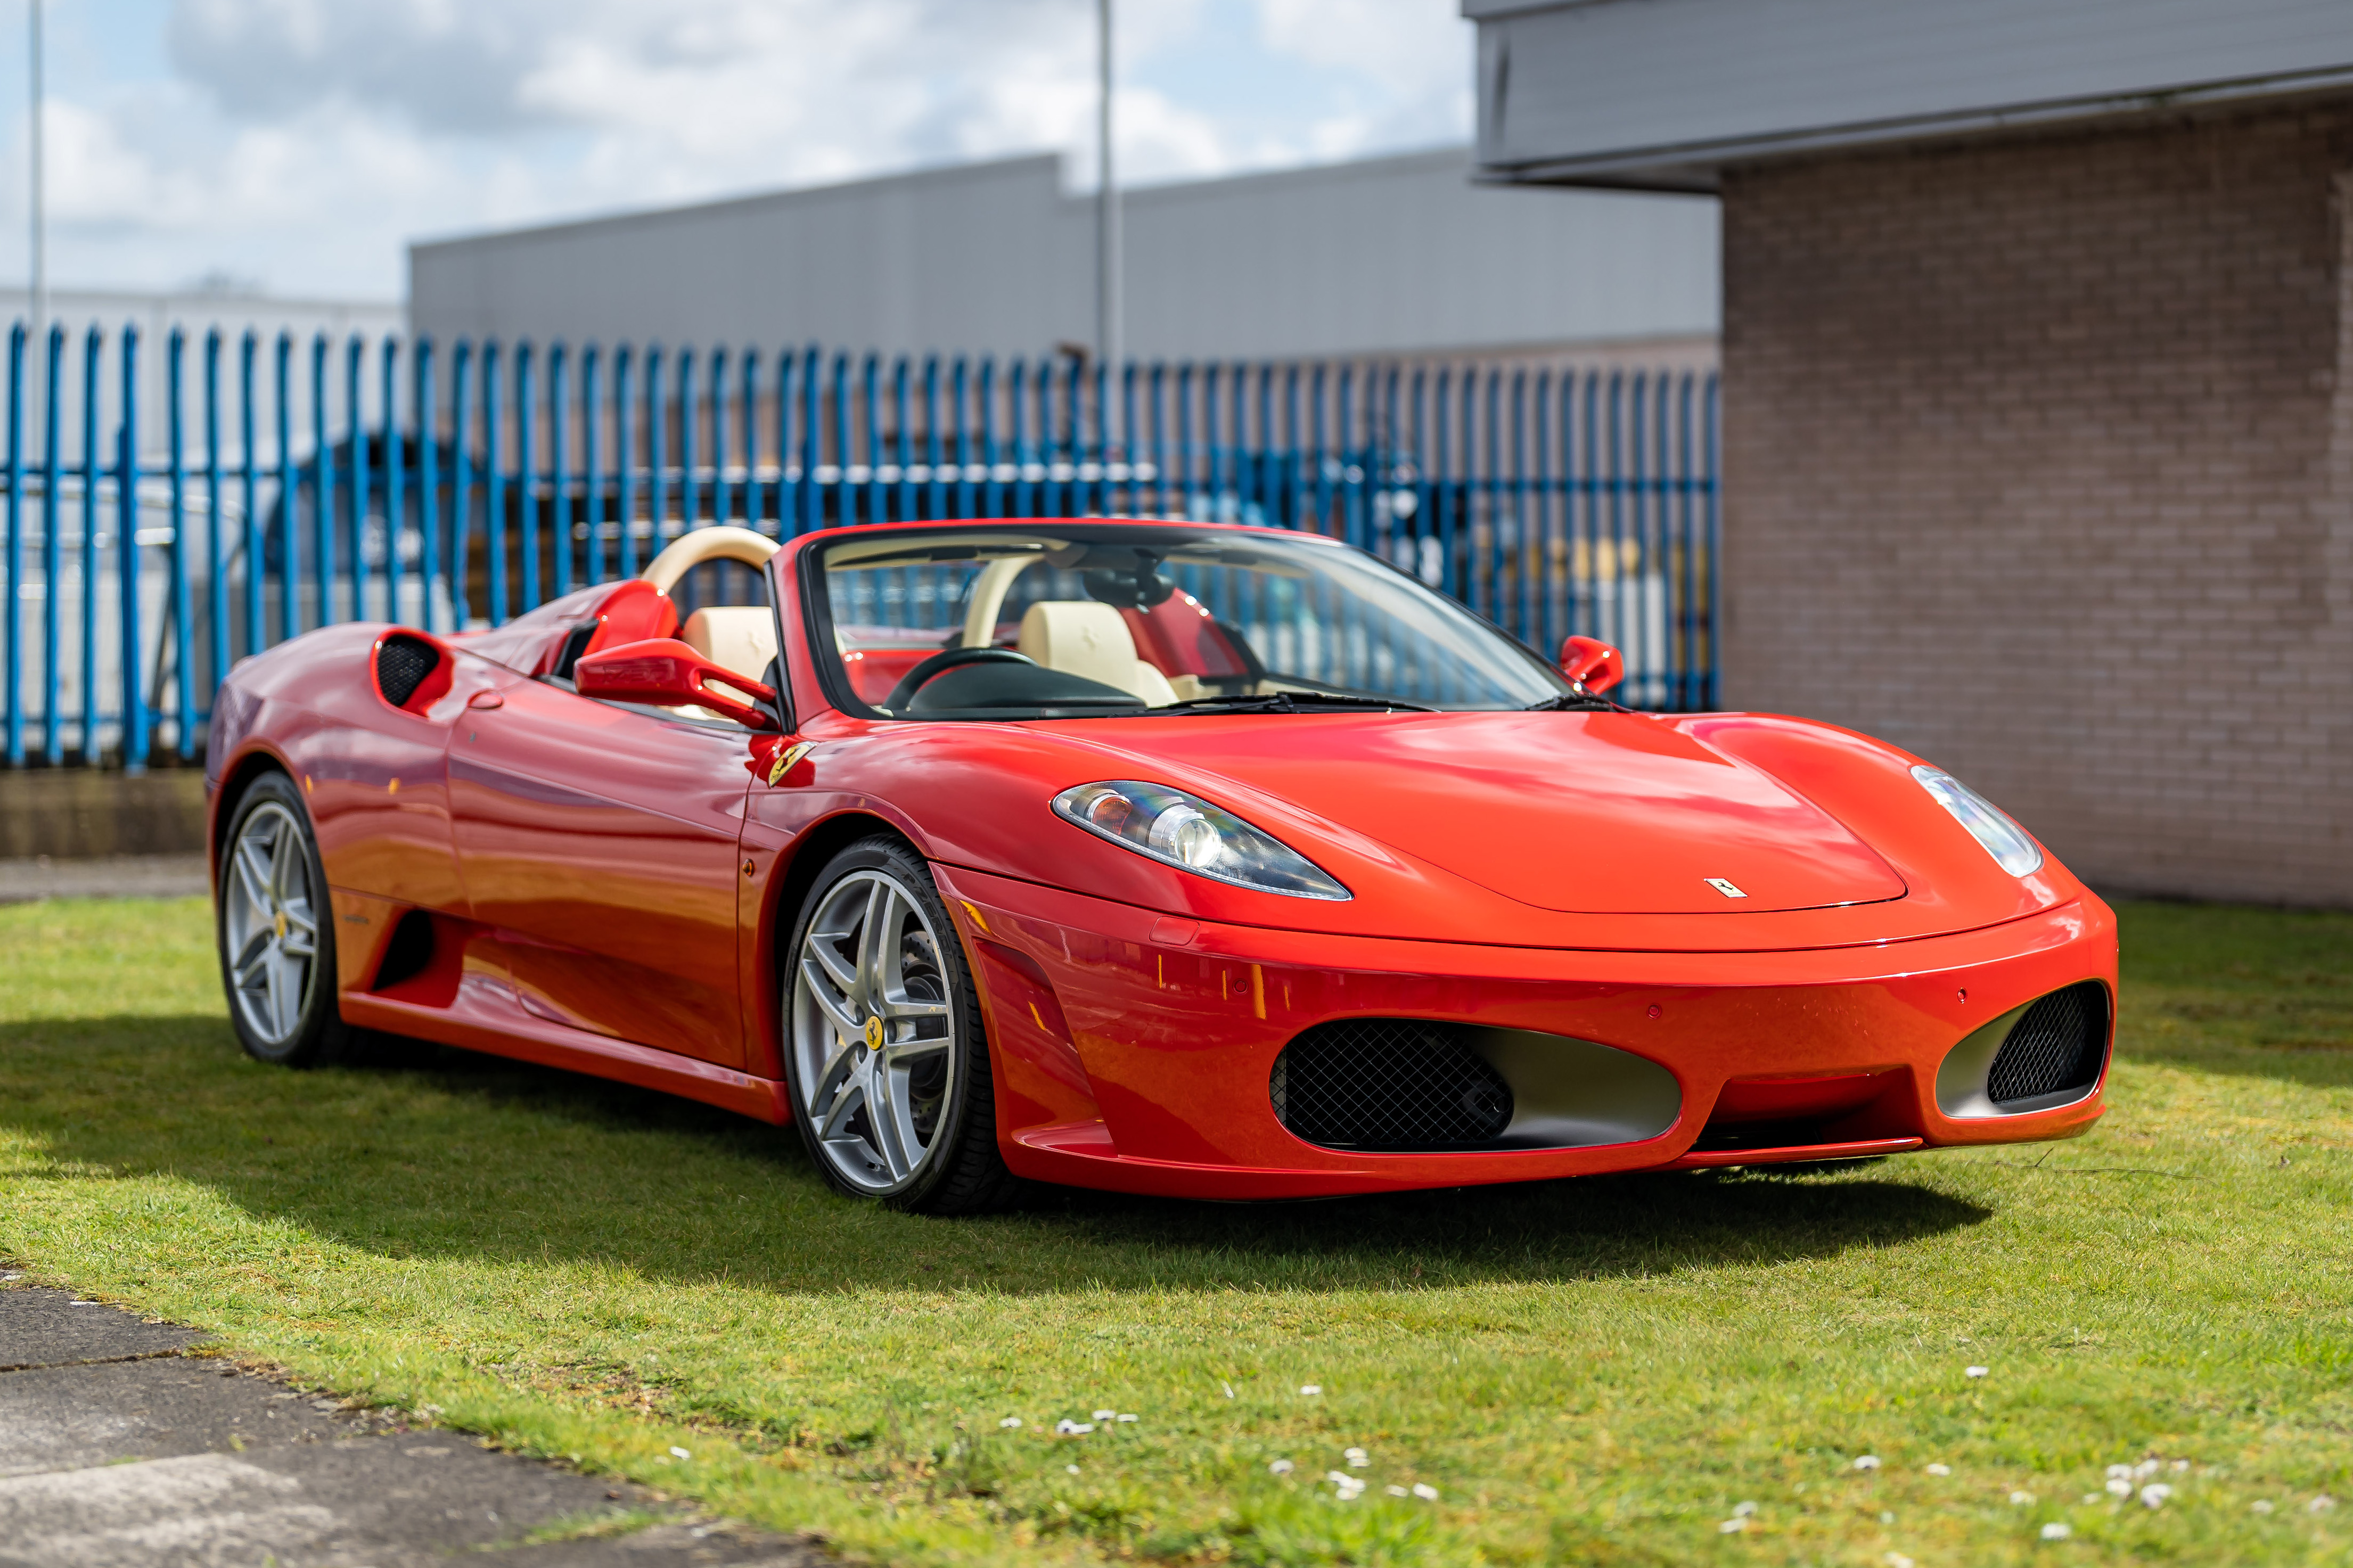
x,y
2038,380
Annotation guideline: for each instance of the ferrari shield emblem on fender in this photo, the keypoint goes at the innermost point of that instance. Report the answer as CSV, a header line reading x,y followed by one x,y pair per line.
x,y
1726,889
787,758
873,1034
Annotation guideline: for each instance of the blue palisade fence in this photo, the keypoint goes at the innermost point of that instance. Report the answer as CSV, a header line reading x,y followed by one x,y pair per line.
x,y
263,494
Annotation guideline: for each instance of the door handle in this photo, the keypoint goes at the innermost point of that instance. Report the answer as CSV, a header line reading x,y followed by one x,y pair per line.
x,y
481,701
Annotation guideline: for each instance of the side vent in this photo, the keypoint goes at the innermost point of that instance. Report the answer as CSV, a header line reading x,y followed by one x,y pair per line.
x,y
402,664
409,952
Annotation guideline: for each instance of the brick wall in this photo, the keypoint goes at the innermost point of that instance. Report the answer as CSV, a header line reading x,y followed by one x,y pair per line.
x,y
2039,462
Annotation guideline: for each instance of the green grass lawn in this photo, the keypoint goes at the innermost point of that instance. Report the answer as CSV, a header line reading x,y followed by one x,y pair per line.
x,y
1588,1372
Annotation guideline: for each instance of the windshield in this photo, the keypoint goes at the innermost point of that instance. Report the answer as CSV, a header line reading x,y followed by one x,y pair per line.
x,y
1072,620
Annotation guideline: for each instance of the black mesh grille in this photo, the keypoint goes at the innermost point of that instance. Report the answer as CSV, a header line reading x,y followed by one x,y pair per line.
x,y
1389,1083
2057,1046
401,666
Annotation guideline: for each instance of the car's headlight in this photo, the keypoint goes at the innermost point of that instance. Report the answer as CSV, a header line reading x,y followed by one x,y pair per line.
x,y
1186,831
2003,839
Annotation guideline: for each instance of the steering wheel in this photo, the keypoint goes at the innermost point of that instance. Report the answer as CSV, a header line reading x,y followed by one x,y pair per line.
x,y
941,663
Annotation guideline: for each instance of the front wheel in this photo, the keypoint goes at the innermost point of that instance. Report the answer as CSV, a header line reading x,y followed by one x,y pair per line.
x,y
275,929
886,1061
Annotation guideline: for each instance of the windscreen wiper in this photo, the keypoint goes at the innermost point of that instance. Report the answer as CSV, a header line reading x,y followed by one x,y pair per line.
x,y
1574,702
1289,702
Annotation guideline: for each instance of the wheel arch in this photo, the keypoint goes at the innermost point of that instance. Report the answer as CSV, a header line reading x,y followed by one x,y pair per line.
x,y
235,780
795,874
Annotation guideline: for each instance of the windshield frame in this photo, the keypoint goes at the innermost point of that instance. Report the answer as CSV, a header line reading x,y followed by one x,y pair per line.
x,y
816,607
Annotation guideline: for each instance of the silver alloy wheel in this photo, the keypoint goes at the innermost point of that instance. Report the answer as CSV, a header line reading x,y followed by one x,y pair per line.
x,y
874,1042
273,930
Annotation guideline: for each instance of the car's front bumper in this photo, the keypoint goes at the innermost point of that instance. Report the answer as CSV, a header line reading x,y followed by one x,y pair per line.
x,y
1132,1051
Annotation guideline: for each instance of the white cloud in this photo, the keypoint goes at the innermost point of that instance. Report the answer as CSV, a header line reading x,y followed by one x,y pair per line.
x,y
304,142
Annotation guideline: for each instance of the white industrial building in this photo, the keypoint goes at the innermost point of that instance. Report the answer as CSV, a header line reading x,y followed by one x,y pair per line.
x,y
1398,256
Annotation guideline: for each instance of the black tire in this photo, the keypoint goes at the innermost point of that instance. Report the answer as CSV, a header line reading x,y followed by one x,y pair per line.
x,y
257,912
944,1095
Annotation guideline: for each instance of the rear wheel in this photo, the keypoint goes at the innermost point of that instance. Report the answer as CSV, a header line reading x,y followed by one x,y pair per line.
x,y
276,928
885,1060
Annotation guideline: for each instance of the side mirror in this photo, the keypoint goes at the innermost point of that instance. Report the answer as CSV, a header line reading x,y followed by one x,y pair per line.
x,y
667,673
1591,665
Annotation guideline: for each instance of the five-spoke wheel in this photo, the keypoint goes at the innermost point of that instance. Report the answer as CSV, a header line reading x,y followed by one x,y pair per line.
x,y
277,943
887,1067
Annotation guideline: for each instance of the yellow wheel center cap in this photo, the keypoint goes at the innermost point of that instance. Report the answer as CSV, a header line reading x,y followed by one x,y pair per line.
x,y
873,1034
278,924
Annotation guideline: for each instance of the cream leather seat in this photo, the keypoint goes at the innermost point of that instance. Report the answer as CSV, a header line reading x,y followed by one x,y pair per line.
x,y
1090,640
741,637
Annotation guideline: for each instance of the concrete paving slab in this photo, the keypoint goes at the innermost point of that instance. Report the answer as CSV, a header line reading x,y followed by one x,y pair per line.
x,y
65,1418
41,1327
176,1460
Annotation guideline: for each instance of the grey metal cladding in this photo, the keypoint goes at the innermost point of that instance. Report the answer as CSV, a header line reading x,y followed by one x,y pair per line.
x,y
1673,86
1398,255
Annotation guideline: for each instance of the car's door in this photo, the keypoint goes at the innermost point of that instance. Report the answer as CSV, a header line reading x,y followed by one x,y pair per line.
x,y
598,843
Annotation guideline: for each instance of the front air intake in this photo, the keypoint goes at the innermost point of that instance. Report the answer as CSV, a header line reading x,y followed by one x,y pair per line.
x,y
1397,1084
2058,1046
402,663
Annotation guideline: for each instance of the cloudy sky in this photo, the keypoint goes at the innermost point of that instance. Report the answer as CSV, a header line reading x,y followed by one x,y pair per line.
x,y
297,144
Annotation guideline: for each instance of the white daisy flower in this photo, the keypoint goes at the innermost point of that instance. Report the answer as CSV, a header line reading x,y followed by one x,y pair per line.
x,y
1397,1491
2154,1494
2021,1500
2120,1487
1073,1469
1358,1459
1897,1560
2054,1530
1743,1509
1941,1469
1105,1414
2145,1469
2119,1472
1010,1422
2320,1504
677,1453
1280,1468
1425,1491
1127,1416
1867,1462
1732,1526
1066,1428
2262,1505
1975,1371
1311,1389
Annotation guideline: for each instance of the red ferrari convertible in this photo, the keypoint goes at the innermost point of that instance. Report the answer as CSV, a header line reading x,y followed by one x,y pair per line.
x,y
1168,858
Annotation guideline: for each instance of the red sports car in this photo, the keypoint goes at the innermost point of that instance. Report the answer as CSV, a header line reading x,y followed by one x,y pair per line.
x,y
1168,858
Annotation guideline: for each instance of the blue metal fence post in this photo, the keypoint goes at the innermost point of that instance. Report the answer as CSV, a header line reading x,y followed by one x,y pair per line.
x,y
985,396
126,557
623,466
216,555
394,460
426,433
183,605
53,734
592,464
690,497
249,355
869,381
722,492
559,479
936,497
15,740
323,486
789,472
960,411
355,483
289,498
494,488
461,488
747,428
1711,435
93,467
657,476
1016,381
526,481
900,458
1520,555
812,498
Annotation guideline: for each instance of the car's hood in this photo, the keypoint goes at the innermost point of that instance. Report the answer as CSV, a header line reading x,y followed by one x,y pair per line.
x,y
1583,813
